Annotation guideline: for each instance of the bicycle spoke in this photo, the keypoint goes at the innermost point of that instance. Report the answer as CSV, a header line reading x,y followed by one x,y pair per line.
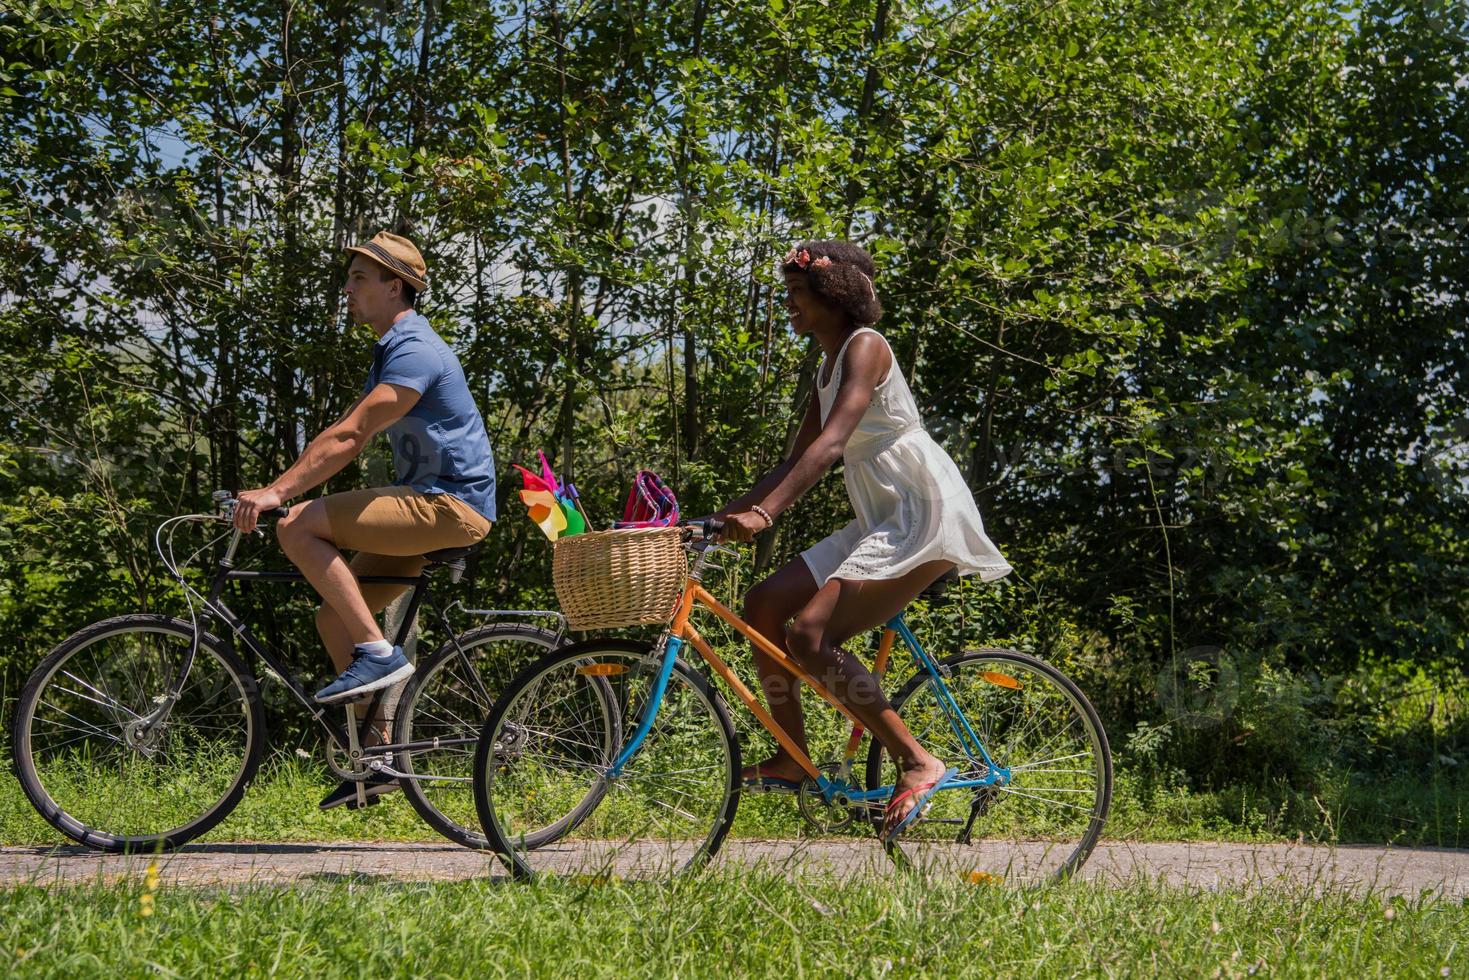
x,y
86,726
109,703
1030,796
455,720
1045,762
158,782
1040,822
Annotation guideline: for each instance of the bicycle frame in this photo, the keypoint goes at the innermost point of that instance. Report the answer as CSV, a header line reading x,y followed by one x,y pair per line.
x,y
349,738
681,631
215,608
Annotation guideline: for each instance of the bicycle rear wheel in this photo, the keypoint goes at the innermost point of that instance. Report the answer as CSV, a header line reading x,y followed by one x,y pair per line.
x,y
448,700
1043,822
546,751
106,760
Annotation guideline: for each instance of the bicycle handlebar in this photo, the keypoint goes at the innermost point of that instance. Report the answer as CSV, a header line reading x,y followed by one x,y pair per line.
x,y
703,530
225,501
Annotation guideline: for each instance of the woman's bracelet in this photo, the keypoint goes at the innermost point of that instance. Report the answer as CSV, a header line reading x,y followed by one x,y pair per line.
x,y
769,521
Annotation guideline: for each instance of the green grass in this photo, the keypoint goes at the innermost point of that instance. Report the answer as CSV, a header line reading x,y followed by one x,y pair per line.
x,y
728,924
1404,809
281,805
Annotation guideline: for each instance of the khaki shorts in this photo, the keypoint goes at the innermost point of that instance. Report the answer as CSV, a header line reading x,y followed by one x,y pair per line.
x,y
391,528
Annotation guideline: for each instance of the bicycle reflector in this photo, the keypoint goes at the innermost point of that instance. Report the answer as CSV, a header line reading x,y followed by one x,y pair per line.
x,y
602,670
1001,680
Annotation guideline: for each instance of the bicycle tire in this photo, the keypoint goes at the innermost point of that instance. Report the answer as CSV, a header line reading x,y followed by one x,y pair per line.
x,y
603,832
87,829
957,670
443,811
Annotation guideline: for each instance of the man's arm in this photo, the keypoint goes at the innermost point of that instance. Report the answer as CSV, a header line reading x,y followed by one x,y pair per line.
x,y
334,448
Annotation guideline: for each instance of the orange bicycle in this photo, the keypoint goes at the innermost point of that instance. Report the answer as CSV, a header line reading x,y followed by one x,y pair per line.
x,y
1030,801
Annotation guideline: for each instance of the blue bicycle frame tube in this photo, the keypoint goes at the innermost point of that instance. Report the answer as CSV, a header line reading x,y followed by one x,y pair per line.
x,y
881,793
671,646
957,721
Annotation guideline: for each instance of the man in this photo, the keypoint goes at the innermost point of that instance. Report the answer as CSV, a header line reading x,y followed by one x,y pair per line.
x,y
444,495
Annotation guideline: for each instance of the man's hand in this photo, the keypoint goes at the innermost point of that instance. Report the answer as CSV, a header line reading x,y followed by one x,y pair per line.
x,y
742,526
250,504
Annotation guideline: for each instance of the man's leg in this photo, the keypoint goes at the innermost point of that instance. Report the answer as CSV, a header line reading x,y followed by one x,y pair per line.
x,y
405,524
392,522
377,596
306,538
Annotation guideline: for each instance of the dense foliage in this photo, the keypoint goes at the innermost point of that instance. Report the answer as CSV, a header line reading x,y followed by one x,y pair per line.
x,y
1180,285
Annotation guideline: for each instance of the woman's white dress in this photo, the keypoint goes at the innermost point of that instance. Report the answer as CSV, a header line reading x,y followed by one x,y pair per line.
x,y
911,503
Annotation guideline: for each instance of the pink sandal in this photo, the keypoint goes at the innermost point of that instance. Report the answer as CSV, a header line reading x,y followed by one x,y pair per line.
x,y
922,793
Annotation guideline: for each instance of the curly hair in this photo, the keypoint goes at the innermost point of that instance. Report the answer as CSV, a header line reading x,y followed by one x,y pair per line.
x,y
842,273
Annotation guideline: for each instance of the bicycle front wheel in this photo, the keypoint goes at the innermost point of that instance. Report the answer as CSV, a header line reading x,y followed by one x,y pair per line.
x,y
546,750
444,705
110,757
1040,822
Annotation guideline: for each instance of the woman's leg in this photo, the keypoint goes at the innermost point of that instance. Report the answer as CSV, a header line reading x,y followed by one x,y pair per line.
x,y
769,606
840,610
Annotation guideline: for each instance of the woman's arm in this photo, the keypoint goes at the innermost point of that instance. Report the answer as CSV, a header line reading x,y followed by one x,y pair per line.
x,y
867,361
810,428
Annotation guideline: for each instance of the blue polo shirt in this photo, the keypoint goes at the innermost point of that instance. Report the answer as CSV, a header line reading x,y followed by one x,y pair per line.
x,y
440,445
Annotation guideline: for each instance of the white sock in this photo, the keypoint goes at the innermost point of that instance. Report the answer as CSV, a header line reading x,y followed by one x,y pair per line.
x,y
380,649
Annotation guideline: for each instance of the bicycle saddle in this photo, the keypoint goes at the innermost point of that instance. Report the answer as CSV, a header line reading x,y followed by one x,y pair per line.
x,y
445,555
940,585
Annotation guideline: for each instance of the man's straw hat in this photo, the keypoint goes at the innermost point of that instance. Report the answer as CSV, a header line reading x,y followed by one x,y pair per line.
x,y
396,254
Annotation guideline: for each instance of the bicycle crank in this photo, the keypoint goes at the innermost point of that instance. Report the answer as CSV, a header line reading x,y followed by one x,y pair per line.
x,y
827,816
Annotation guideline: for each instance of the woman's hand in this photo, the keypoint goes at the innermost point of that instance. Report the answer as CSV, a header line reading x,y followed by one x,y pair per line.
x,y
742,526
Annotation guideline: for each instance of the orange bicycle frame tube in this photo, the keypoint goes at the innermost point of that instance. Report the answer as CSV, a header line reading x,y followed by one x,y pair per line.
x,y
694,592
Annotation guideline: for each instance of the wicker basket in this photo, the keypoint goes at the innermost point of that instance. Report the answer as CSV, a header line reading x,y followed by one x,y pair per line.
x,y
607,579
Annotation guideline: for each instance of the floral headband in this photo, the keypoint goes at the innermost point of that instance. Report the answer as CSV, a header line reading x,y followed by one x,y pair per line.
x,y
801,259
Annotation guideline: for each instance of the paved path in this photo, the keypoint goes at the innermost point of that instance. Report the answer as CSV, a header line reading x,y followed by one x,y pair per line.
x,y
1355,869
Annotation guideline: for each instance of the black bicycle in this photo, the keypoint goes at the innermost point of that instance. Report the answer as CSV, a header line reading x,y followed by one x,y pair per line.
x,y
141,732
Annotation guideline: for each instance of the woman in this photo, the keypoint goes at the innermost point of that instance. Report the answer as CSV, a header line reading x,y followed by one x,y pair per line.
x,y
915,521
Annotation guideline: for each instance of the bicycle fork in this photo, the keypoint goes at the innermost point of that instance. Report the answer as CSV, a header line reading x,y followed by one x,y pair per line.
x,y
671,646
143,734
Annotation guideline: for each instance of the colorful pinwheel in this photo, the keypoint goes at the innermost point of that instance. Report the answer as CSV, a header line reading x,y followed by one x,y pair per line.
x,y
553,505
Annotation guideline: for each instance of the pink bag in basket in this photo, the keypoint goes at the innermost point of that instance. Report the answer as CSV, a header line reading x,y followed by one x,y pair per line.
x,y
649,503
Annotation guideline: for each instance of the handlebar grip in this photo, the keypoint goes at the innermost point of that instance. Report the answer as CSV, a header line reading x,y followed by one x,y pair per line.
x,y
703,530
228,498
